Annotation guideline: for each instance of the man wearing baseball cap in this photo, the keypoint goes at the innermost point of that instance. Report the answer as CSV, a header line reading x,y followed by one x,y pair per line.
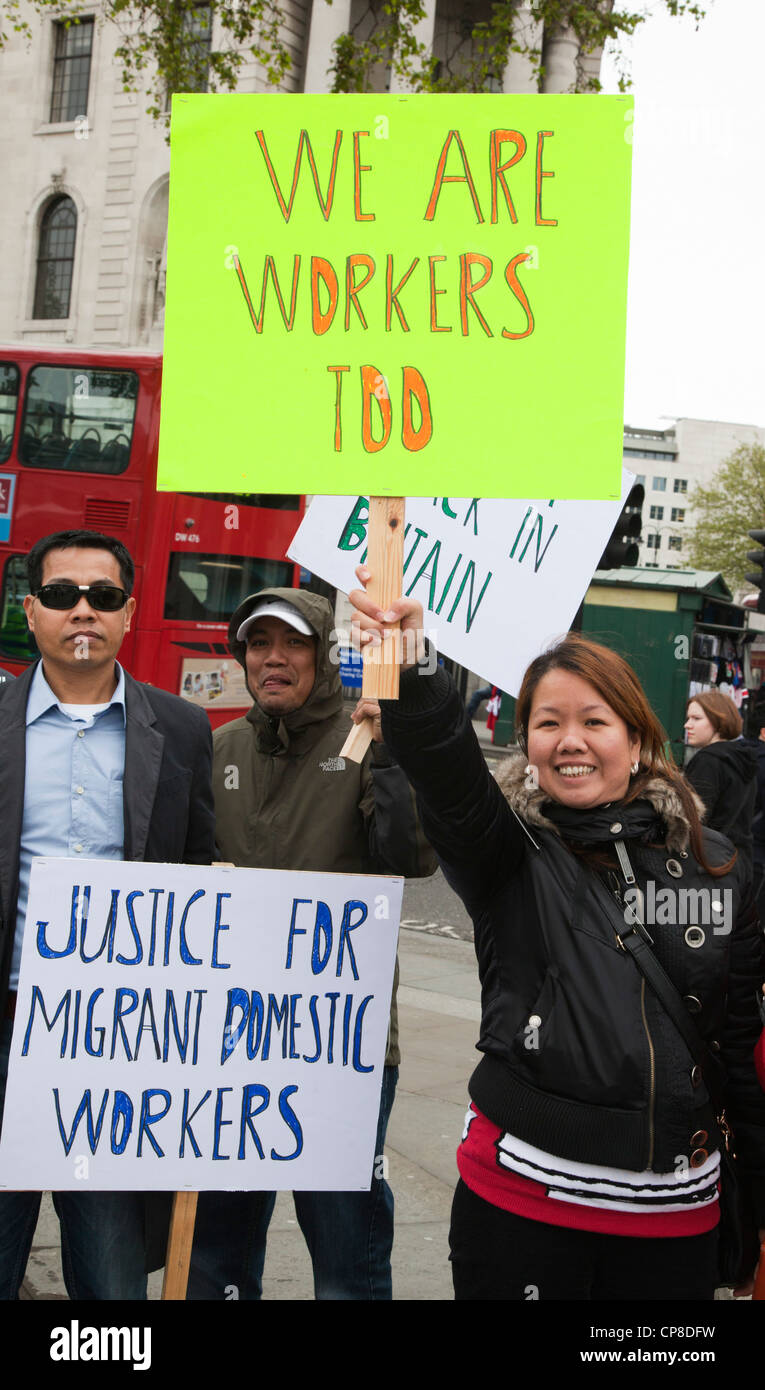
x,y
285,800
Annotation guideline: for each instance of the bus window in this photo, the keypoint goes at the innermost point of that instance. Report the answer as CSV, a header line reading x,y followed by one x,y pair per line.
x,y
207,588
78,418
276,501
9,396
16,640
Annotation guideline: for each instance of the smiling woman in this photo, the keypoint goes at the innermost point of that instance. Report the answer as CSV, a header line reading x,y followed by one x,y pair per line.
x,y
584,753
596,1113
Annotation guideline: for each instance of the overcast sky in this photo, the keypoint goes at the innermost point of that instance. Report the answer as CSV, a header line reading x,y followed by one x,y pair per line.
x,y
696,318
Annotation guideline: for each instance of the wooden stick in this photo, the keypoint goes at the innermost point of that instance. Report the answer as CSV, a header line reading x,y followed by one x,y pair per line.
x,y
179,1245
357,742
385,560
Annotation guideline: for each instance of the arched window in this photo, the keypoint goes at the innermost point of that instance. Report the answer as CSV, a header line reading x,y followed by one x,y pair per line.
x,y
55,260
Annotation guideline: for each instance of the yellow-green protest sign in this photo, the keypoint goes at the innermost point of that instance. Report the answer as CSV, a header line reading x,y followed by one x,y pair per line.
x,y
416,295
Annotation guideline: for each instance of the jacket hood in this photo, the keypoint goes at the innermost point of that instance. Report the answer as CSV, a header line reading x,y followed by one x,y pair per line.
x,y
326,697
738,756
529,802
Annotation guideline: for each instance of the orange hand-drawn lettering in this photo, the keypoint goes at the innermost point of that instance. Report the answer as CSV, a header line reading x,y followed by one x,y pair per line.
x,y
373,388
414,386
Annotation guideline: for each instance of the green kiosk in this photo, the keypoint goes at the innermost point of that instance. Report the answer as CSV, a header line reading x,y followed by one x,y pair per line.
x,y
679,629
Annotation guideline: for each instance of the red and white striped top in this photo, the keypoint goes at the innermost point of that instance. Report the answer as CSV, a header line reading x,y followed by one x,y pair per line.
x,y
524,1180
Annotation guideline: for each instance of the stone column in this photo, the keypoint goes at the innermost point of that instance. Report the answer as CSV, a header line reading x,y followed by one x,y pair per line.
x,y
423,32
561,52
328,22
519,75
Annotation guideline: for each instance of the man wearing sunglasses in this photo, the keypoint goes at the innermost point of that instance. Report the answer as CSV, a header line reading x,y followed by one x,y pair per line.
x,y
93,764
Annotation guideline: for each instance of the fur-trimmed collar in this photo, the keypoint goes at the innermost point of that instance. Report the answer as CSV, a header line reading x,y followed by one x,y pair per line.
x,y
527,799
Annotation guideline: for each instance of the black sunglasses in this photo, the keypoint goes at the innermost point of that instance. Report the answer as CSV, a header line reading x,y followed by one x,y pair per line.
x,y
105,598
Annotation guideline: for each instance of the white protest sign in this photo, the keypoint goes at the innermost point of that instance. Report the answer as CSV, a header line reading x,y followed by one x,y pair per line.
x,y
498,579
202,1028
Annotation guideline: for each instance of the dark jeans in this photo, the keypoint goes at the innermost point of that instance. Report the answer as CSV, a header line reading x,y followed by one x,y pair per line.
x,y
476,699
499,1256
349,1234
102,1233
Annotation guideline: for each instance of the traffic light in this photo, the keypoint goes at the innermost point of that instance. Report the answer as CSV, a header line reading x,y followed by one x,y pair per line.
x,y
757,557
622,548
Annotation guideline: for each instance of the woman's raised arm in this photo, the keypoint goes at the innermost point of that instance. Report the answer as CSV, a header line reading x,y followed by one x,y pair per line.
x,y
463,813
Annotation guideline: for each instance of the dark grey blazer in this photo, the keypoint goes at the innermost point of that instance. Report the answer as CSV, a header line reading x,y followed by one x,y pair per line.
x,y
167,789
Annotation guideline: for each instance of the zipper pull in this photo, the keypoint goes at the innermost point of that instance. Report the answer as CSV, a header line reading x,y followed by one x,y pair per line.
x,y
726,1132
624,862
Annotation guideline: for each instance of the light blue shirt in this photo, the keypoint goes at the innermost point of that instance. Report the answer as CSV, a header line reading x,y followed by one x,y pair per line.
x,y
72,787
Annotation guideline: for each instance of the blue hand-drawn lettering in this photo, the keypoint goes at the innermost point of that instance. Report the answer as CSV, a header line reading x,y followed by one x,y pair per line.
x,y
288,1114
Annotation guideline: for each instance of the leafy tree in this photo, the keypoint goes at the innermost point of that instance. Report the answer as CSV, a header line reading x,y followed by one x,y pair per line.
x,y
161,48
732,505
483,46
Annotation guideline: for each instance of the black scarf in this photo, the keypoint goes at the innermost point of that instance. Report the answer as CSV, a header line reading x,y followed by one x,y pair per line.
x,y
638,820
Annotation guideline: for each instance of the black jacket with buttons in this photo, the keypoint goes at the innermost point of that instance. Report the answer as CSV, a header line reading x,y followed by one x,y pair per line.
x,y
609,1080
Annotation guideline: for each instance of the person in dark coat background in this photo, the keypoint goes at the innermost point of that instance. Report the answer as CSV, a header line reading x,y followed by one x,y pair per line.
x,y
722,772
756,743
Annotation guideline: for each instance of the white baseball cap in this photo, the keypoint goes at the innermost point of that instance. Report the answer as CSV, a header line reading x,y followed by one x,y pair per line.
x,y
276,608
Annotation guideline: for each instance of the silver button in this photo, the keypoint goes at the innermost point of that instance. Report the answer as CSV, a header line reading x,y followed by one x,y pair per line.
x,y
616,828
692,1004
79,790
80,733
535,1021
695,937
674,868
78,848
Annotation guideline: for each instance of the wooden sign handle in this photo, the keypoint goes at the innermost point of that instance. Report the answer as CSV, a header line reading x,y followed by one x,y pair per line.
x,y
357,742
385,559
179,1245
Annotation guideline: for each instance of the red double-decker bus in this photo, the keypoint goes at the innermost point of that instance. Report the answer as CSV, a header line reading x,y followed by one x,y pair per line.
x,y
78,448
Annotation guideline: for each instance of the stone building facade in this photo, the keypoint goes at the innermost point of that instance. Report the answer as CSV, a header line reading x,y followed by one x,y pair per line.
x,y
85,169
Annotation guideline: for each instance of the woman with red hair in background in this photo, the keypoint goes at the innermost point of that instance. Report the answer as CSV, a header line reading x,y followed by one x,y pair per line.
x,y
723,770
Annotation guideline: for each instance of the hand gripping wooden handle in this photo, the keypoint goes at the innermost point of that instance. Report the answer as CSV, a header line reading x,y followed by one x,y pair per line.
x,y
385,561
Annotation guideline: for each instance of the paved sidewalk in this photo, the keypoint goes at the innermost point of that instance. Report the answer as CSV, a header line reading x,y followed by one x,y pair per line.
x,y
439,1013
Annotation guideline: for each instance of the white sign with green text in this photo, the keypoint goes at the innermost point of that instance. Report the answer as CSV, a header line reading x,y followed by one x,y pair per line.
x,y
498,579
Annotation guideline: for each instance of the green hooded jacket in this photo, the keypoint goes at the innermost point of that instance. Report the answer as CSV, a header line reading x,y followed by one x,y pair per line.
x,y
285,800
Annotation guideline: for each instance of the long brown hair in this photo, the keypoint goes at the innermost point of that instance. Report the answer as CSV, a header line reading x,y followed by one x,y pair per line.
x,y
616,682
